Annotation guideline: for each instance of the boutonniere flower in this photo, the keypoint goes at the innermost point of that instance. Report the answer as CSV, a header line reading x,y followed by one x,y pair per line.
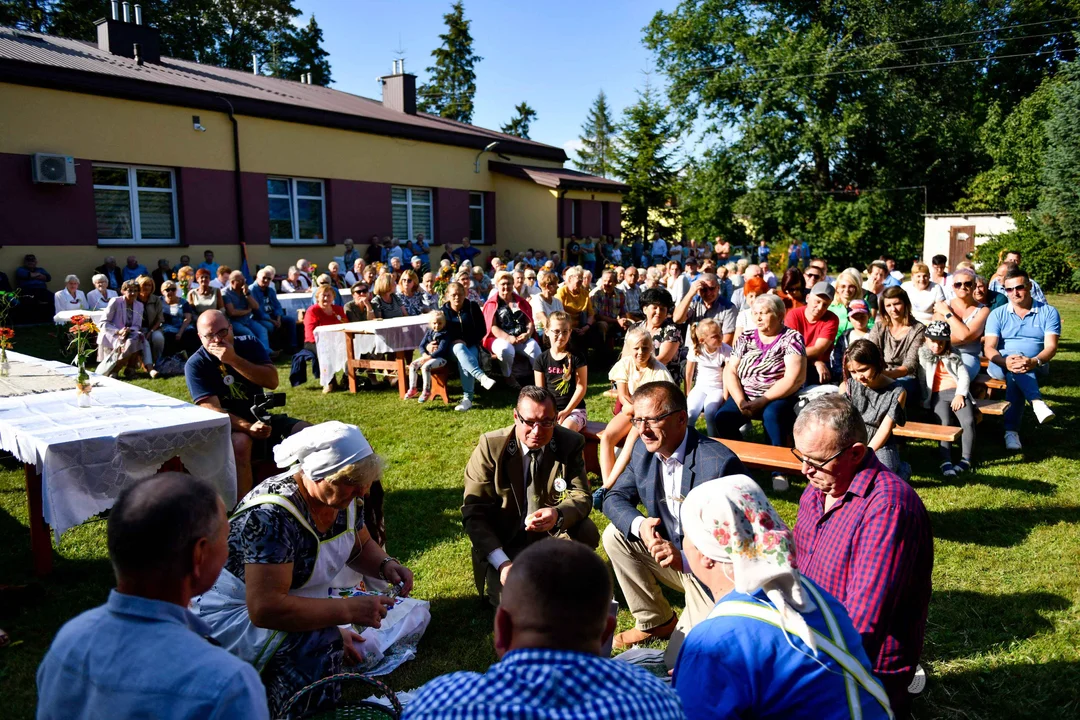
x,y
560,488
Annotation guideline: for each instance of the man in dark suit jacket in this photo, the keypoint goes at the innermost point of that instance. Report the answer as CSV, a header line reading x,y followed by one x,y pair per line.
x,y
110,270
668,460
522,484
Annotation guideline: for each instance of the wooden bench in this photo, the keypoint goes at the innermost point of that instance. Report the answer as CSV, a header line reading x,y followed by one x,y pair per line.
x,y
988,382
992,407
765,457
927,431
592,432
439,377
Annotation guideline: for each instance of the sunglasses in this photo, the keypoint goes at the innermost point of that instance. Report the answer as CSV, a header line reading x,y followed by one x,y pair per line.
x,y
967,285
1015,288
361,291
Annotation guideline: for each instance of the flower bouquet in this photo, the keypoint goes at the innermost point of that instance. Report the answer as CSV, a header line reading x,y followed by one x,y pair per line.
x,y
6,334
82,332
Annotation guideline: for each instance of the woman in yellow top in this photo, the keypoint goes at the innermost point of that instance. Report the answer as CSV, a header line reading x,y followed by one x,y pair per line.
x,y
574,296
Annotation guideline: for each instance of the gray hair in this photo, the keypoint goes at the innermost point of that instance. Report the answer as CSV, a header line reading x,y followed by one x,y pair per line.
x,y
267,269
73,278
99,277
772,303
154,525
835,414
965,271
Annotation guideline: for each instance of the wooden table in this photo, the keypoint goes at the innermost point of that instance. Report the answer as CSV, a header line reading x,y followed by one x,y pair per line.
x,y
344,347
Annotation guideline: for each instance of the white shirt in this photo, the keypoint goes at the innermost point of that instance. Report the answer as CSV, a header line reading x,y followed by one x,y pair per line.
x,y
671,472
922,301
215,283
770,278
96,301
62,301
710,366
498,556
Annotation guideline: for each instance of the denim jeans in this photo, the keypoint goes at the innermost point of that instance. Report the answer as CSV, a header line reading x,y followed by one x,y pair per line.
x,y
972,363
1019,387
778,418
244,326
914,391
468,359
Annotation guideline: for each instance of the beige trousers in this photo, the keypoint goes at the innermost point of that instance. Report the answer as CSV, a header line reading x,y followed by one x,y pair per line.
x,y
640,576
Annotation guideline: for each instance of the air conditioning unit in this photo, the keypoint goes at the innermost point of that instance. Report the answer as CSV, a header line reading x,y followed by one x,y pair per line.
x,y
56,169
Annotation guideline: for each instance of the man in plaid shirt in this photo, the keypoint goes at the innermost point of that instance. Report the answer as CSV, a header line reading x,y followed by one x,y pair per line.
x,y
864,536
550,630
610,306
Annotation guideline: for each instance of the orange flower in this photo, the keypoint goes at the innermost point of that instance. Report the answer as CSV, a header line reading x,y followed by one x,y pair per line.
x,y
78,319
6,333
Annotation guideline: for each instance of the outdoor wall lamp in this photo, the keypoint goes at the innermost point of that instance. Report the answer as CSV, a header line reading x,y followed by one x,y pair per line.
x,y
489,148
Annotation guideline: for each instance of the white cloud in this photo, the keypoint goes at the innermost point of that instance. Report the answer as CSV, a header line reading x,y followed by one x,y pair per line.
x,y
572,146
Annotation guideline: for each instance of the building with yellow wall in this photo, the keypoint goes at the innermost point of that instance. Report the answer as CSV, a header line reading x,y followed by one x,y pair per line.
x,y
110,149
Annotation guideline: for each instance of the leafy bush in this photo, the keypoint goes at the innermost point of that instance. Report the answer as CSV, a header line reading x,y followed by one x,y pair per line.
x,y
1049,261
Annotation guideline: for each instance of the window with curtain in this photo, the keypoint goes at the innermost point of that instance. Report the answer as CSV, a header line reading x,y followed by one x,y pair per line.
x,y
297,210
135,204
476,217
411,211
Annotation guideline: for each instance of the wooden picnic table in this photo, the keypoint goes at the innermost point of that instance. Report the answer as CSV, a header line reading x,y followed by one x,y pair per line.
x,y
344,347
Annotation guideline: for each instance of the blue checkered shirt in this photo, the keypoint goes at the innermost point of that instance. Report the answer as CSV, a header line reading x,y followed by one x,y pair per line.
x,y
541,684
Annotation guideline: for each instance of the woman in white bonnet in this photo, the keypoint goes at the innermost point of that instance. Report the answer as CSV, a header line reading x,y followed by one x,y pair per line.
x,y
775,645
289,539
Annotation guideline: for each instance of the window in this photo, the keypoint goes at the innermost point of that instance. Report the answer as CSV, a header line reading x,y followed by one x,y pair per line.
x,y
476,217
135,205
411,209
297,210
575,217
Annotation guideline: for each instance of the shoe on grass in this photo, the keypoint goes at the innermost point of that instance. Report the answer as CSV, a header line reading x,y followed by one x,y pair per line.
x,y
423,398
466,404
1043,413
487,383
947,470
411,393
1012,440
780,483
963,466
635,636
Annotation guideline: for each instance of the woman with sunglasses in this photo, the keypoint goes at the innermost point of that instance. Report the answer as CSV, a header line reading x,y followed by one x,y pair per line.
x,y
966,317
359,308
178,319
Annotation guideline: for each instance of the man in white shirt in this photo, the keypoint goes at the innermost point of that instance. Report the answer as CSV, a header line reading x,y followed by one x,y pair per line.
x,y
659,248
768,275
669,459
632,292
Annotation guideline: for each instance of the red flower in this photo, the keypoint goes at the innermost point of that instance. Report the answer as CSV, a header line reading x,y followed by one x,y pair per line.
x,y
78,319
6,333
765,520
771,540
722,536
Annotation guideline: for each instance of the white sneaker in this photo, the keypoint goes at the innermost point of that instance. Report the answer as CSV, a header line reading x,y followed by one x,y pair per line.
x,y
1012,440
1043,413
780,483
466,404
487,383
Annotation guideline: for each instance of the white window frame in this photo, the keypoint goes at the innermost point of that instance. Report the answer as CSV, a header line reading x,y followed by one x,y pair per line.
x,y
410,206
483,220
133,191
294,199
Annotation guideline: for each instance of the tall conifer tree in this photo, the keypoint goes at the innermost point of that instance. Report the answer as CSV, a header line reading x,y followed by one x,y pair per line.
x,y
452,84
596,155
519,124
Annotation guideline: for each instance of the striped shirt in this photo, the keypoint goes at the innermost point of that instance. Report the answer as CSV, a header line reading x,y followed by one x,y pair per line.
x,y
761,365
874,552
538,684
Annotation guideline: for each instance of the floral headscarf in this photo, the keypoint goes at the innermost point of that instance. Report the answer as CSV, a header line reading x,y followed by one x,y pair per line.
x,y
731,521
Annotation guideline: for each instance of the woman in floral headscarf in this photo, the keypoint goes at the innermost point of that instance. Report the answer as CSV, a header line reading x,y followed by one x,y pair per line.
x,y
775,645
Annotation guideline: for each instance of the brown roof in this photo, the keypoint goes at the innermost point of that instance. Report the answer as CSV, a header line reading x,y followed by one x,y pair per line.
x,y
559,178
45,61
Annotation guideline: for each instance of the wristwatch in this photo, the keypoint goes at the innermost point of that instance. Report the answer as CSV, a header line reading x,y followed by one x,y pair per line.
x,y
382,565
1038,362
559,520
948,316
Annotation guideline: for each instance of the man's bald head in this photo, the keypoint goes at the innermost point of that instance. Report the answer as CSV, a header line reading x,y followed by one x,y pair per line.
x,y
557,595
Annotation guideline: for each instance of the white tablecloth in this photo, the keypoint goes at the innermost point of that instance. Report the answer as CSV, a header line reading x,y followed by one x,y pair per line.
x,y
86,456
63,318
291,302
374,336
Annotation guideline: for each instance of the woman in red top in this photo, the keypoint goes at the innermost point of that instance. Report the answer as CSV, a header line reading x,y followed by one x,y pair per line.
x,y
509,327
323,312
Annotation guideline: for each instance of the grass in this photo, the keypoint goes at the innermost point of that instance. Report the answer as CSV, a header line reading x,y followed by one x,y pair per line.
x,y
1004,626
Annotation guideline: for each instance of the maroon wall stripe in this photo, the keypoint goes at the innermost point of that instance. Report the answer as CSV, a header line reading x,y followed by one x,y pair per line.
x,y
566,218
590,218
45,214
451,215
357,210
206,201
613,219
489,218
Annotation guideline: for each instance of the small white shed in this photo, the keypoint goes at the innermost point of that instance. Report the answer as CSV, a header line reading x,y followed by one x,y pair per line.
x,y
956,235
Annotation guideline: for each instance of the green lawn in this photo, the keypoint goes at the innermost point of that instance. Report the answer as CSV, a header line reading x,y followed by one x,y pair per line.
x,y
1004,627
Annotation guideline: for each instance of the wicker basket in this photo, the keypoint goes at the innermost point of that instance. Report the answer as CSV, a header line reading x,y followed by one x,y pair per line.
x,y
351,710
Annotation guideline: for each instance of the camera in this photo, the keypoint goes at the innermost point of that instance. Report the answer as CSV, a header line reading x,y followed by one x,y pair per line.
x,y
264,402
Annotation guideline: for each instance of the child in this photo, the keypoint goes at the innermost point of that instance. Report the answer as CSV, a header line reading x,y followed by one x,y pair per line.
x,y
858,313
436,349
637,366
941,371
564,373
878,398
707,355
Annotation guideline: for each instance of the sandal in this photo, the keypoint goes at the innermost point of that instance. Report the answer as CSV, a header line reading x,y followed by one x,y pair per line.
x,y
948,470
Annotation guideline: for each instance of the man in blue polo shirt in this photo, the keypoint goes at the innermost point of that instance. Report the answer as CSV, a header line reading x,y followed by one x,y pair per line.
x,y
1019,340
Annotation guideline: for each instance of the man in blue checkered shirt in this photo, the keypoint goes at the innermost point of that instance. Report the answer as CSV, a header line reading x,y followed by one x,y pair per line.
x,y
549,630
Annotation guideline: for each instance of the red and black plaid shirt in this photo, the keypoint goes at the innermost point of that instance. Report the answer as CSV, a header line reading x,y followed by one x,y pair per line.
x,y
874,552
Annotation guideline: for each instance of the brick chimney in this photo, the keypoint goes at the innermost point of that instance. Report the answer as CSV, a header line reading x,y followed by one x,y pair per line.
x,y
399,90
125,35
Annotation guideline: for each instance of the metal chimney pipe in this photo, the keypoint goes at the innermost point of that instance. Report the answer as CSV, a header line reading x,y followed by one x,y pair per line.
x,y
127,11
138,14
115,9
137,52
401,65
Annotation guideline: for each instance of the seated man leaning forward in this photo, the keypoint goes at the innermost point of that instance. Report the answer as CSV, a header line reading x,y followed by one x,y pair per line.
x,y
142,653
549,630
863,536
668,460
292,539
226,374
522,484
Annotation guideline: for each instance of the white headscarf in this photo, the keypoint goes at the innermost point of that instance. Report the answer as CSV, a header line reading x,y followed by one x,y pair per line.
x,y
321,450
731,521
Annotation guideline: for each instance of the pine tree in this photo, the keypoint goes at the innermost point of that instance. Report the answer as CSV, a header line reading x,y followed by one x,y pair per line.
x,y
32,15
596,155
519,124
75,18
643,159
306,55
452,85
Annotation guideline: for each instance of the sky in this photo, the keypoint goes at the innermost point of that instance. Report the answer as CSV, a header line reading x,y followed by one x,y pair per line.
x,y
555,55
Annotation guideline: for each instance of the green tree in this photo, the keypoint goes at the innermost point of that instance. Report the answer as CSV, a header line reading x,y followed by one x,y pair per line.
x,y
32,15
644,160
306,54
596,155
452,79
75,18
1058,213
519,124
708,190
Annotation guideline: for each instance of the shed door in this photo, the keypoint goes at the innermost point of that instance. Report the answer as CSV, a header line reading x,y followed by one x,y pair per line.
x,y
961,243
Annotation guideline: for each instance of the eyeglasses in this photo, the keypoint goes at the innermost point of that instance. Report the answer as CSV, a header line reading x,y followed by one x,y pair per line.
x,y
545,424
812,275
646,423
1015,288
710,288
558,333
818,464
217,335
360,291
968,285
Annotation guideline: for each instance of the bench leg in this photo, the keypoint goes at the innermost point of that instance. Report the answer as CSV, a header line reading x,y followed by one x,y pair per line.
x,y
40,535
402,358
438,387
